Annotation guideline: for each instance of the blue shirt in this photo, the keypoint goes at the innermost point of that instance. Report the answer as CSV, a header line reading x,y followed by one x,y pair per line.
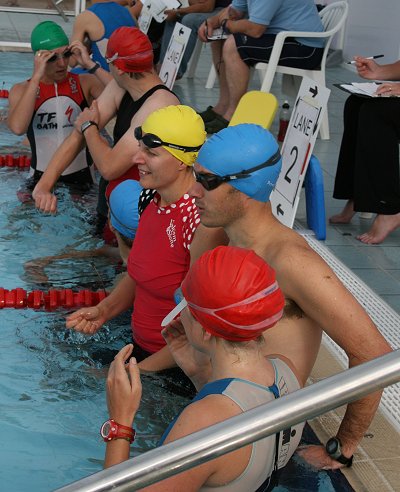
x,y
284,15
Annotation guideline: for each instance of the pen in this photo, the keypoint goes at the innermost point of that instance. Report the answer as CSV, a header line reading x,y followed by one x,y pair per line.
x,y
352,62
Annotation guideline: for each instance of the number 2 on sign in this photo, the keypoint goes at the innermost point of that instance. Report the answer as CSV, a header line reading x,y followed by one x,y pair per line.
x,y
295,151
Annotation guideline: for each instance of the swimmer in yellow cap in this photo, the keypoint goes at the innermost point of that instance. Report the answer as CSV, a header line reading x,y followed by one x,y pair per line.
x,y
46,106
168,235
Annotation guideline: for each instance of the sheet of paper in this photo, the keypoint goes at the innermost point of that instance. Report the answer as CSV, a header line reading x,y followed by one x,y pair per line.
x,y
217,34
157,8
363,88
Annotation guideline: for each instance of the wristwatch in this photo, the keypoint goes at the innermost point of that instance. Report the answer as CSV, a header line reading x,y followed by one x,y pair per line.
x,y
334,449
112,430
94,68
86,124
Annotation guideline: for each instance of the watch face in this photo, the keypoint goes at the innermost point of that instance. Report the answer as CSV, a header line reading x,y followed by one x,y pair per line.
x,y
105,429
332,446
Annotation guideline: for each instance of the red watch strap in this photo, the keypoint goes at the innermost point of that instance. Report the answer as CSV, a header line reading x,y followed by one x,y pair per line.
x,y
118,431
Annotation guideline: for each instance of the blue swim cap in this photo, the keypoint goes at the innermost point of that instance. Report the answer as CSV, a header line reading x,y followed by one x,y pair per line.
x,y
123,203
241,147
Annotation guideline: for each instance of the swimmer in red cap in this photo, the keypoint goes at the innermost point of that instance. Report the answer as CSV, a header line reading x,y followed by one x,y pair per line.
x,y
230,298
135,92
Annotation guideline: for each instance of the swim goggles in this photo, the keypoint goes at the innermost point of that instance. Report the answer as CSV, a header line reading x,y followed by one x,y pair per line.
x,y
136,56
152,141
212,181
178,296
60,56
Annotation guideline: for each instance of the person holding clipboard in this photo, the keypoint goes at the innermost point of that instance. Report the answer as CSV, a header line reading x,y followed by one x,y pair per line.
x,y
367,175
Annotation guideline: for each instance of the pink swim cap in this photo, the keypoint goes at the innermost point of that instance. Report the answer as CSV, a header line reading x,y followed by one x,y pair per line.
x,y
233,293
130,50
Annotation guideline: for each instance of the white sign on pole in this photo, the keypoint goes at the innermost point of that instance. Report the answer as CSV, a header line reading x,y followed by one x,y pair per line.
x,y
174,54
145,16
297,148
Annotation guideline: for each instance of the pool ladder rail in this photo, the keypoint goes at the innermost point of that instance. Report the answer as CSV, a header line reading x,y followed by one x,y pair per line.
x,y
65,298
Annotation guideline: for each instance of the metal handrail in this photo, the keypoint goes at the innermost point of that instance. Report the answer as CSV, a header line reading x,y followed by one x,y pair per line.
x,y
244,429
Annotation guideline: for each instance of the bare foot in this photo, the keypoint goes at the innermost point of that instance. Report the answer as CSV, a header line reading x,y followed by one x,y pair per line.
x,y
382,226
345,215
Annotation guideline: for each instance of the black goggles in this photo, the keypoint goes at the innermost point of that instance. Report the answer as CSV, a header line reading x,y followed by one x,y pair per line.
x,y
152,141
212,181
67,54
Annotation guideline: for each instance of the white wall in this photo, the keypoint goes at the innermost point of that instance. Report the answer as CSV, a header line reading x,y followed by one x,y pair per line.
x,y
373,27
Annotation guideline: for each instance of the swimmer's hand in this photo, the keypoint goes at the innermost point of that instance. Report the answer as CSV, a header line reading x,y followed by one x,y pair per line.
x,y
81,54
86,320
195,364
44,200
317,457
40,63
124,388
88,114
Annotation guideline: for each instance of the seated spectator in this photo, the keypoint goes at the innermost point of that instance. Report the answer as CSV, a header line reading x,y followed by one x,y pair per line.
x,y
95,25
251,26
192,17
46,106
220,344
367,175
168,235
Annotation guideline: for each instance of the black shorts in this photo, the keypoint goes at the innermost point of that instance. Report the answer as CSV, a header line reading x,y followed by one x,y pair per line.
x,y
294,54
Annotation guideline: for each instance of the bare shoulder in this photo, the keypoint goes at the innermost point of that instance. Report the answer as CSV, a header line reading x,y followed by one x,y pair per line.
x,y
203,413
16,93
161,98
18,88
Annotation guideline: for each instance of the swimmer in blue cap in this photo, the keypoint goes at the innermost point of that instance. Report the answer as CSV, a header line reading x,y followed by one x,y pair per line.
x,y
236,170
248,159
124,214
124,220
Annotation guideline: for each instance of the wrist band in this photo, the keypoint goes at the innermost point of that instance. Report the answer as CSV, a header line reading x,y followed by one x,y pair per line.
x,y
224,28
94,68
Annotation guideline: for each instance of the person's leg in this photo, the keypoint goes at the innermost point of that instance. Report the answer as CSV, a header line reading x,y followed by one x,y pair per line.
x,y
377,176
193,22
216,50
237,76
344,179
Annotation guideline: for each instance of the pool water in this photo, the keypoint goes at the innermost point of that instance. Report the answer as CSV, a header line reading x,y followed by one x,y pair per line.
x,y
52,396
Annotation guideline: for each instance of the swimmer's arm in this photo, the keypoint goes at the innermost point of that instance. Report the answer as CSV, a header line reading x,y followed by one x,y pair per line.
x,y
158,361
21,100
195,417
113,162
62,158
70,148
311,283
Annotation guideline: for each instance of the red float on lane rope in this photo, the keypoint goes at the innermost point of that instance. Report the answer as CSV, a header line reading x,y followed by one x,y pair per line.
x,y
65,298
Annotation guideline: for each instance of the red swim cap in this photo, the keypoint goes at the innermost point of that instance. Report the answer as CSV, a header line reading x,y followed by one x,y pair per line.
x,y
233,293
130,50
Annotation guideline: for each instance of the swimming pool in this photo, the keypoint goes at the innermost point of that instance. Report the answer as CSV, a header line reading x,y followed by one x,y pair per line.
x,y
51,390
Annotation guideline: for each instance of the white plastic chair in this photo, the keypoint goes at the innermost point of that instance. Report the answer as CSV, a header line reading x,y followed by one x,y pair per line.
x,y
333,18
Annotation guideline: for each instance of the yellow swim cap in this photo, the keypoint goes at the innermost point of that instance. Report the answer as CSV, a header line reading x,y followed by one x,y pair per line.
x,y
179,125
